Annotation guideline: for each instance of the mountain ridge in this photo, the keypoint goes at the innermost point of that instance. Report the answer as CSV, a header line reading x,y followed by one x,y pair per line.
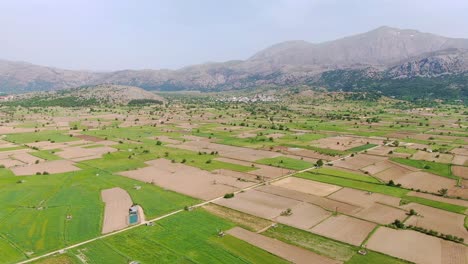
x,y
390,53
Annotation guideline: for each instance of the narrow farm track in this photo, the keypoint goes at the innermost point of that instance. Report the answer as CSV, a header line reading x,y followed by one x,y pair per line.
x,y
175,212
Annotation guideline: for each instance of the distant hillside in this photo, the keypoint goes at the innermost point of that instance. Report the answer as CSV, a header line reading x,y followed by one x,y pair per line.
x,y
382,60
89,96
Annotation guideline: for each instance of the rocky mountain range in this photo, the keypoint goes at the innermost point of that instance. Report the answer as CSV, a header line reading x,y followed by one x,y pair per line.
x,y
360,62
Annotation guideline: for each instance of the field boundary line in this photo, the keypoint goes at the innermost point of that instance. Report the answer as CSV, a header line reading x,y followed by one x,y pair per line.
x,y
59,251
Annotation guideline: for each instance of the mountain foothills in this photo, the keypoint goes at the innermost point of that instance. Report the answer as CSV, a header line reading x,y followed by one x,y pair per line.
x,y
104,94
395,62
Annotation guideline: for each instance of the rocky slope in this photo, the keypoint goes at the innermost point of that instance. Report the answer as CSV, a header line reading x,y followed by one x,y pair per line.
x,y
381,54
89,95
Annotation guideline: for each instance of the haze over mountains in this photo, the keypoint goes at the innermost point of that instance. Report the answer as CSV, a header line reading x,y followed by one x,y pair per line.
x,y
376,60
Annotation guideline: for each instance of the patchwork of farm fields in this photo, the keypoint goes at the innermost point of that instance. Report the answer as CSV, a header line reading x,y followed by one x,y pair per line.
x,y
216,182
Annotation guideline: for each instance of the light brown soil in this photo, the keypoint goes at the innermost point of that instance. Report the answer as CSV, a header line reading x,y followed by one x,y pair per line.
x,y
240,153
46,145
343,142
26,158
80,153
304,216
378,167
460,171
237,175
8,163
381,150
460,151
286,251
258,203
407,244
269,172
363,198
55,166
344,228
275,135
395,172
460,191
116,213
359,161
166,139
381,214
89,138
454,253
439,198
306,153
460,160
325,203
186,179
307,186
248,221
423,155
439,220
426,181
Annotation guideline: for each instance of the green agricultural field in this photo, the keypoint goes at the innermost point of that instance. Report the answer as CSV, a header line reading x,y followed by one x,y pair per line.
x,y
46,154
440,169
318,244
405,150
374,257
287,163
360,185
187,237
45,135
361,148
40,206
12,148
436,204
345,174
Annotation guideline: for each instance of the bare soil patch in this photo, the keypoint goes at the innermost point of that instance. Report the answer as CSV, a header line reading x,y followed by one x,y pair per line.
x,y
439,198
407,244
460,160
89,138
289,252
460,151
55,166
359,161
166,139
439,220
116,213
307,186
394,172
258,203
460,171
304,216
343,142
381,214
239,153
80,153
344,228
304,153
363,198
432,156
460,191
325,203
26,158
426,181
269,172
246,220
186,179
9,163
381,150
454,253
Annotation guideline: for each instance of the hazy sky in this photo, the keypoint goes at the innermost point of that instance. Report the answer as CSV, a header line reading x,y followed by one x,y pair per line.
x,y
136,34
